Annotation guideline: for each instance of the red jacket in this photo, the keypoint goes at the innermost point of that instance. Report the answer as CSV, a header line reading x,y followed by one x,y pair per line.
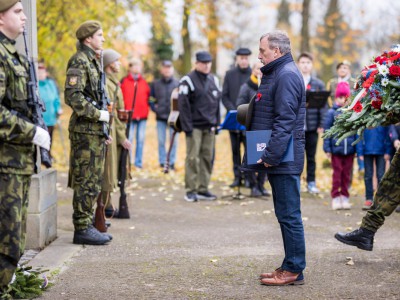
x,y
141,109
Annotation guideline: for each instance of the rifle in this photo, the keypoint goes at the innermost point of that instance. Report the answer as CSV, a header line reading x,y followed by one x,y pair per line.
x,y
123,204
36,103
100,219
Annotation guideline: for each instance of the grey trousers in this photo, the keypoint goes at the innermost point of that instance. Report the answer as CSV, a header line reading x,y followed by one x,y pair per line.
x,y
198,163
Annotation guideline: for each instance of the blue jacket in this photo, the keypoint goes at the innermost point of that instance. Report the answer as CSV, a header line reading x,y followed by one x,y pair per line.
x,y
376,141
345,147
49,94
281,108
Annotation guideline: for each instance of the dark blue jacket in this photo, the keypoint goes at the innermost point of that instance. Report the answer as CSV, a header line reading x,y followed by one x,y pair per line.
x,y
281,109
376,141
345,147
394,133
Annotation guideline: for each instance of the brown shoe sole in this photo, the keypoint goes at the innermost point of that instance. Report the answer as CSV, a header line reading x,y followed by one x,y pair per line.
x,y
298,282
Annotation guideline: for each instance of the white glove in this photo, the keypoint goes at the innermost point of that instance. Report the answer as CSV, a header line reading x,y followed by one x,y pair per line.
x,y
104,116
42,138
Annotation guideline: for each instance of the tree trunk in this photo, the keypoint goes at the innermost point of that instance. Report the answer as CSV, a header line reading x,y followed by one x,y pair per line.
x,y
212,35
186,57
305,33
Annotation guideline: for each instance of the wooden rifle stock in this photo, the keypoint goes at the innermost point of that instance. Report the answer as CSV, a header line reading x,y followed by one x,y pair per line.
x,y
123,204
99,217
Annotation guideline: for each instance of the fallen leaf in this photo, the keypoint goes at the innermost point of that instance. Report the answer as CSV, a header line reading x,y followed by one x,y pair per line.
x,y
213,260
350,261
168,199
133,227
266,212
349,228
347,214
305,218
243,204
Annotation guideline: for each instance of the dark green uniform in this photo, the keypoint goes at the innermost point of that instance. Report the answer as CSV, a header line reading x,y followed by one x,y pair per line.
x,y
85,133
16,157
387,197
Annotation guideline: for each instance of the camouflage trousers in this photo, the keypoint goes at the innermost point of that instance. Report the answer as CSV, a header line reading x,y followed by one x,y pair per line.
x,y
387,197
14,190
85,175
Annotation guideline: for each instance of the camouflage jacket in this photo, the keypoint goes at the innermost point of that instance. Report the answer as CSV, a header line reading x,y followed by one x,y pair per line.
x,y
81,83
16,134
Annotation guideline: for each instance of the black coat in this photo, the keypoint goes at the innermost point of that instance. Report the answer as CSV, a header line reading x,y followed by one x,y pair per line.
x,y
233,80
315,116
161,91
281,108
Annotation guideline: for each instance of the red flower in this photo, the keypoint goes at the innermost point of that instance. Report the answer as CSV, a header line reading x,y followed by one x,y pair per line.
x,y
381,59
308,87
259,95
394,70
376,104
358,107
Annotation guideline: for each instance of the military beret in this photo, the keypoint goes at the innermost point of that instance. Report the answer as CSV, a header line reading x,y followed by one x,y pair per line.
x,y
109,56
87,29
243,51
6,4
203,56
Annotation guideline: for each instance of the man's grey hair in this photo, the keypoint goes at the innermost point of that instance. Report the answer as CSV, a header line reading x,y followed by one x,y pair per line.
x,y
278,39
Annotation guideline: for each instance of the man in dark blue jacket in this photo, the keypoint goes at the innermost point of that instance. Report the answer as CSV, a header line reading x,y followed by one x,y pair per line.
x,y
280,107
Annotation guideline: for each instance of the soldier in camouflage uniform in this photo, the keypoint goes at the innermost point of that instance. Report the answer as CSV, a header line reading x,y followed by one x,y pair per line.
x,y
17,139
117,132
386,199
86,132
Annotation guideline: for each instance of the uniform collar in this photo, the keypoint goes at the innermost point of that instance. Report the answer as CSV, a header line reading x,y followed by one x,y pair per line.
x,y
89,52
7,43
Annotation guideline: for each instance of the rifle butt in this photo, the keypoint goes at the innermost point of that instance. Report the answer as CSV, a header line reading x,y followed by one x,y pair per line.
x,y
123,208
100,219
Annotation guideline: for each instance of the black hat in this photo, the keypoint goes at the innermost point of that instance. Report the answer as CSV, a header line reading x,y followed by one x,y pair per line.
x,y
203,56
243,51
166,63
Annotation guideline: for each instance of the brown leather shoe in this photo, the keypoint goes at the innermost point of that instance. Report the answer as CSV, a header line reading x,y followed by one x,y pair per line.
x,y
270,275
283,278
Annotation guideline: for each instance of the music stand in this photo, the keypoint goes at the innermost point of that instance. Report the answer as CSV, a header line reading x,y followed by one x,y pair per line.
x,y
230,123
317,99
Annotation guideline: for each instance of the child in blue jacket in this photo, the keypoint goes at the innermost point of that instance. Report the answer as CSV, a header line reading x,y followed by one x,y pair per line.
x,y
341,156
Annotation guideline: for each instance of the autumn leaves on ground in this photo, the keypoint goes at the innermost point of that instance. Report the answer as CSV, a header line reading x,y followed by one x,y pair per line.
x,y
222,171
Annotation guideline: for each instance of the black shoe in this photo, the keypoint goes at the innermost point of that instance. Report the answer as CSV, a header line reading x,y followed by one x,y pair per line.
x,y
255,192
111,213
191,197
361,238
206,196
264,191
90,236
237,182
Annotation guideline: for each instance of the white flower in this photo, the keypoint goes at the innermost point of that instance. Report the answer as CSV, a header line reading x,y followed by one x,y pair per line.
x,y
26,273
396,48
384,81
383,70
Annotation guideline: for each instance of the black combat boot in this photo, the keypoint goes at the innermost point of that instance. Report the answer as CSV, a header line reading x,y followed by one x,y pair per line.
x,y
361,238
263,190
90,236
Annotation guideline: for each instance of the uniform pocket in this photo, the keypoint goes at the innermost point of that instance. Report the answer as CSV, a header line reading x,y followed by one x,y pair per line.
x,y
18,84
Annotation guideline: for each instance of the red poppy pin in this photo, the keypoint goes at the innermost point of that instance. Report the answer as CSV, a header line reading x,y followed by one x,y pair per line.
x,y
259,95
308,87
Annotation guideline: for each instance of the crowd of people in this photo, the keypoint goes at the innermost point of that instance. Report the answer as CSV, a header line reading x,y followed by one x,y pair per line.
x,y
104,120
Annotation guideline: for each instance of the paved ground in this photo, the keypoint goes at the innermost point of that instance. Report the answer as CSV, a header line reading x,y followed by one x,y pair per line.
x,y
171,249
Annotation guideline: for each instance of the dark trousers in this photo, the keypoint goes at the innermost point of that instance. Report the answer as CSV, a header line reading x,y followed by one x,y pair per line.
x,y
342,166
387,197
286,197
237,137
256,178
369,172
311,150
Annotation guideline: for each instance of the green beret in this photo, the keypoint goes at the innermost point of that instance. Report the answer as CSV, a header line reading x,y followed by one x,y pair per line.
x,y
87,29
6,4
